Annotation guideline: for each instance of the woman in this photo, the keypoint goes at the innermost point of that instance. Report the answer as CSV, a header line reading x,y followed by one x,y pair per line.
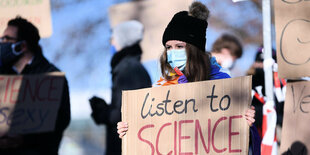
x,y
184,58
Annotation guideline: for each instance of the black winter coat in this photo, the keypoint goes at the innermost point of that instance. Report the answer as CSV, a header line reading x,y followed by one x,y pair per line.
x,y
127,74
42,143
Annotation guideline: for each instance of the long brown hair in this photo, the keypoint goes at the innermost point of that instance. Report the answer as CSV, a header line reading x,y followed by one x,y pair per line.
x,y
198,67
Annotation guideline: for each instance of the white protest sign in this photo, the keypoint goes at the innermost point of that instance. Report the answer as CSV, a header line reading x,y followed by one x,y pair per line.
x,y
194,118
38,12
292,22
29,103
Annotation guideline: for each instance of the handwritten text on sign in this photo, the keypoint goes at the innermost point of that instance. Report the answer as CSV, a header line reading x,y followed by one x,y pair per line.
x,y
194,118
296,117
293,41
38,12
29,104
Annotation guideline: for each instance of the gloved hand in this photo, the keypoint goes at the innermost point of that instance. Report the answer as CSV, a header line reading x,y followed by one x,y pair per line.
x,y
182,79
97,103
100,110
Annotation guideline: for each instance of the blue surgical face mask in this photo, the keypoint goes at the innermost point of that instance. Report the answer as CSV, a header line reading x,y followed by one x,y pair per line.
x,y
177,58
228,63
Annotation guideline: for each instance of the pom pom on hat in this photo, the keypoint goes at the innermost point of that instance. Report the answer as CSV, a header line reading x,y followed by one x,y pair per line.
x,y
128,33
199,11
189,27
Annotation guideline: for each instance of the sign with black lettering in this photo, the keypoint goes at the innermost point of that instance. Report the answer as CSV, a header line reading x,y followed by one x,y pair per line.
x,y
292,22
154,15
194,118
295,132
29,103
38,12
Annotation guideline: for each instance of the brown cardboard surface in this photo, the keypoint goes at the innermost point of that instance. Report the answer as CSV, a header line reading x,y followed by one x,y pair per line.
x,y
199,118
36,11
292,22
295,131
155,16
29,103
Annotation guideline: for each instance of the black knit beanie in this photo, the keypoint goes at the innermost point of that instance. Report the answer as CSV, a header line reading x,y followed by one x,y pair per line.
x,y
186,28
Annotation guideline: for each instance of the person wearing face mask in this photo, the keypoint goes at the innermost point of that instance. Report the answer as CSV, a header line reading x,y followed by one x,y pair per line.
x,y
127,74
10,52
21,54
226,49
185,60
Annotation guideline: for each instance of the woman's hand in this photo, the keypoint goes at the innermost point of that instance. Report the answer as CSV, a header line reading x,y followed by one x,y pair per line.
x,y
249,115
122,128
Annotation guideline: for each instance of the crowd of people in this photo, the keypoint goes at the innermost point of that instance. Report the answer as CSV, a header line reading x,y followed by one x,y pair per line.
x,y
183,60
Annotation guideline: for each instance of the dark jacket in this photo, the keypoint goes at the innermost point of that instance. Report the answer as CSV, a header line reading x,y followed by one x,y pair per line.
x,y
127,74
42,143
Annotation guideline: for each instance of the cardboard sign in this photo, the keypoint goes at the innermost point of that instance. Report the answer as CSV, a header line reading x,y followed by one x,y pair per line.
x,y
292,19
154,15
29,103
38,12
295,132
194,118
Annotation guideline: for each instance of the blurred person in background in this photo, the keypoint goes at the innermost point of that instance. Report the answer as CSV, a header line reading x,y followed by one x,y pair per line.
x,y
21,54
226,49
127,74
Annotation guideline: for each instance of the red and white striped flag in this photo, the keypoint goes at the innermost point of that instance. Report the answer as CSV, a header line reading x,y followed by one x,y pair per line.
x,y
269,142
277,88
283,81
277,84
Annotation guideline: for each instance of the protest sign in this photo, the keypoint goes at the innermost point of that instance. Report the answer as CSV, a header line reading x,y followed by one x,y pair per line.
x,y
154,15
292,22
295,132
29,103
38,12
194,118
